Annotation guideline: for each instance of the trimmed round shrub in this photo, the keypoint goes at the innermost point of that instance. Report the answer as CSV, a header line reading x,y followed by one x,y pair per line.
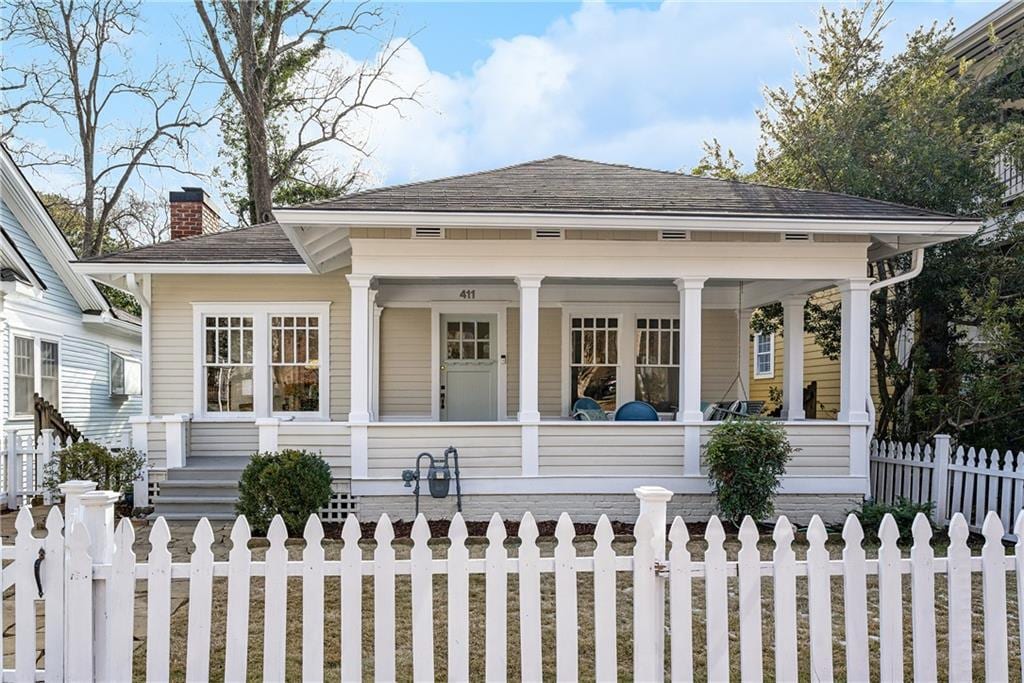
x,y
290,483
111,470
745,459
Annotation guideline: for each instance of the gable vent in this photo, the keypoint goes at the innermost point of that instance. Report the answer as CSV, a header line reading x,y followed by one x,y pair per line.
x,y
674,235
547,234
797,237
428,232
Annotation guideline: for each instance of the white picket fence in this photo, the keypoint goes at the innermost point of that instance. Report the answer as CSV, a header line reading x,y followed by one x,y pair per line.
x,y
90,593
968,480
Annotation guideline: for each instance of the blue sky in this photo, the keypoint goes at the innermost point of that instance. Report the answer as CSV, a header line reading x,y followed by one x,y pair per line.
x,y
639,83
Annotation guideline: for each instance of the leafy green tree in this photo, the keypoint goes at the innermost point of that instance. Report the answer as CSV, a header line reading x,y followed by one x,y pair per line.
x,y
915,128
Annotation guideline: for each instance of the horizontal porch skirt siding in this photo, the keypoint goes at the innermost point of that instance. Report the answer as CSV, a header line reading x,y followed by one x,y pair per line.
x,y
223,439
611,449
821,448
329,440
484,450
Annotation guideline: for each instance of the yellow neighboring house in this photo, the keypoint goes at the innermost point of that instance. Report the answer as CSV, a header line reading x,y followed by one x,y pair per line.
x,y
767,356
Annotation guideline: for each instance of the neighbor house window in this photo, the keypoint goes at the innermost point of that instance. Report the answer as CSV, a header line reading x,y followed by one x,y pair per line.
x,y
295,363
595,359
125,375
657,362
229,363
36,371
764,355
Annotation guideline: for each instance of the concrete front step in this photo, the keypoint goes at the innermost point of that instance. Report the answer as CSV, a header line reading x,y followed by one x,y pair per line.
x,y
206,487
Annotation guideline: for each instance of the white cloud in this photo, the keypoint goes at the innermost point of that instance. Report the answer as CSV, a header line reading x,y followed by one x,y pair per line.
x,y
633,85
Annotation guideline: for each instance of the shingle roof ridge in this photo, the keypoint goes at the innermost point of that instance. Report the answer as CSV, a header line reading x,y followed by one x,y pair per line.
x,y
400,186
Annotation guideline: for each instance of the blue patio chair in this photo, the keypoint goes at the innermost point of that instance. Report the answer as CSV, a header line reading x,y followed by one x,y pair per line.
x,y
636,411
588,410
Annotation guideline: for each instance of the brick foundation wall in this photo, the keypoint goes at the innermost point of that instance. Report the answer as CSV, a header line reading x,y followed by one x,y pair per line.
x,y
799,508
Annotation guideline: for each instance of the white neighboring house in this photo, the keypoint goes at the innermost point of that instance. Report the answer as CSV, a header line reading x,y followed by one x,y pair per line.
x,y
59,336
474,311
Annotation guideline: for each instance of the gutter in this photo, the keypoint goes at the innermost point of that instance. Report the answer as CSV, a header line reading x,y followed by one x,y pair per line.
x,y
916,266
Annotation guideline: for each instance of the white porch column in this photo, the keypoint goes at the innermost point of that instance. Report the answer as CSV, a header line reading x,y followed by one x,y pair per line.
x,y
793,369
855,368
529,340
690,289
359,407
359,374
375,360
743,355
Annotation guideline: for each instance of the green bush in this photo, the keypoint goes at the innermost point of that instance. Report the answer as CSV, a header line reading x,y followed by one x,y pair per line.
x,y
290,483
112,471
745,459
903,511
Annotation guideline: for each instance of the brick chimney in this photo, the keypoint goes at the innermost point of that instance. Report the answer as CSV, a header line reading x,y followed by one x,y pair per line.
x,y
192,213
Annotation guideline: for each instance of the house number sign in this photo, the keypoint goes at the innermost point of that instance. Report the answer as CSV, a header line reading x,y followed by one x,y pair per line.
x,y
467,294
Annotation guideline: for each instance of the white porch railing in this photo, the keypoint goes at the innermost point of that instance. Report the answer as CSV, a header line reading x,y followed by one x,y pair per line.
x,y
23,459
969,481
91,592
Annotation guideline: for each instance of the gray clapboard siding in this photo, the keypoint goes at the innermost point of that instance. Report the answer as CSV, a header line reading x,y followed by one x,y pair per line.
x,y
485,450
822,448
330,440
549,362
173,296
85,390
234,439
719,359
405,367
612,449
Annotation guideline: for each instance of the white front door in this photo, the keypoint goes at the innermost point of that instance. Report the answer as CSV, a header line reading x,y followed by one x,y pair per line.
x,y
469,367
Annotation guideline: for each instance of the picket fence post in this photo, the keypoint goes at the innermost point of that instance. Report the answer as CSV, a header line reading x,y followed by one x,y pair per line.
x,y
940,478
98,519
653,505
73,491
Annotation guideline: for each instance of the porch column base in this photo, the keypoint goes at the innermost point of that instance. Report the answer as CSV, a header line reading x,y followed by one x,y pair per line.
x,y
530,450
359,450
691,451
268,432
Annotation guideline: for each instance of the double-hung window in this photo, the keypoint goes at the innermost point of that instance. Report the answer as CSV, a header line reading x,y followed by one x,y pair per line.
x,y
657,362
36,371
229,363
295,363
594,366
764,355
260,360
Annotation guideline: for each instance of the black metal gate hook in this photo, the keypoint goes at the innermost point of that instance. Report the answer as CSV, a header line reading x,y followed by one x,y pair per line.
x,y
39,579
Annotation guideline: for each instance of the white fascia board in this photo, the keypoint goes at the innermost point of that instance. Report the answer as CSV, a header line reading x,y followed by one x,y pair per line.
x,y
291,218
24,203
182,268
294,234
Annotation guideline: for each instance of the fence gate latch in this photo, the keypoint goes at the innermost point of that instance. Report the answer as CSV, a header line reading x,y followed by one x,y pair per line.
x,y
38,563
661,569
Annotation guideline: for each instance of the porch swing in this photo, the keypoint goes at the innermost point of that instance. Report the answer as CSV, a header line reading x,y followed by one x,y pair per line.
x,y
725,409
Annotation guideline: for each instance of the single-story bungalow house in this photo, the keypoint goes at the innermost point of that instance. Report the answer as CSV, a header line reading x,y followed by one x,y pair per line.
x,y
475,311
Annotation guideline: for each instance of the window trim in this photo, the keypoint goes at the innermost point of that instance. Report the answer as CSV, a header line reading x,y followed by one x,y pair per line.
x,y
261,374
624,368
37,368
771,356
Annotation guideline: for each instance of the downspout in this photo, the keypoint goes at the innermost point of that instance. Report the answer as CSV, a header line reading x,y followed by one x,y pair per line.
x,y
141,292
916,266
